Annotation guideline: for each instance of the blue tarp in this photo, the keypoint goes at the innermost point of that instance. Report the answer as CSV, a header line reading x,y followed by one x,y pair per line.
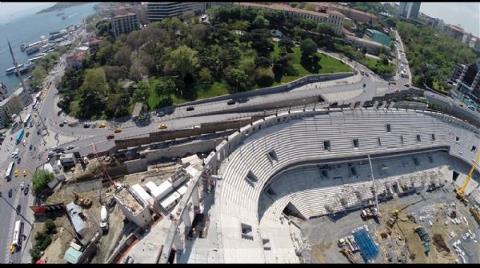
x,y
368,249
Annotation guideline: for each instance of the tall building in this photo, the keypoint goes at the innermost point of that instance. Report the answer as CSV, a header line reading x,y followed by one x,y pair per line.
x,y
409,10
458,72
159,10
469,81
123,24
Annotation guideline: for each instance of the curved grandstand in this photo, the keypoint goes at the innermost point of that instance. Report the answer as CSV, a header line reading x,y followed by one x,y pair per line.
x,y
314,163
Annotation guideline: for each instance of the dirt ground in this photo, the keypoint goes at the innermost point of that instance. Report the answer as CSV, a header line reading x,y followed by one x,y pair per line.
x,y
60,241
318,251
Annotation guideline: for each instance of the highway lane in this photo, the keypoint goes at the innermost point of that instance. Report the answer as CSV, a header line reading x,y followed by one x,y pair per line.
x,y
29,162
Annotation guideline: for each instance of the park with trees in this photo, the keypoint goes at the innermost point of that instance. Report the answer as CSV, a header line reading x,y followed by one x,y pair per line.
x,y
181,59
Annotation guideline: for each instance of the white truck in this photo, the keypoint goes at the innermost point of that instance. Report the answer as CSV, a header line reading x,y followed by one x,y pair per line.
x,y
104,218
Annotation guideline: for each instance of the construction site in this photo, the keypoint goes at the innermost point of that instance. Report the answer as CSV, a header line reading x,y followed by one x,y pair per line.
x,y
434,222
100,209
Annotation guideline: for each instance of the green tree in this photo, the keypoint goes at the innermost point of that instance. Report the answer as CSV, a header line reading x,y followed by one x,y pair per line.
x,y
38,74
237,79
92,93
308,47
205,75
50,226
264,77
260,22
182,61
140,93
287,43
40,179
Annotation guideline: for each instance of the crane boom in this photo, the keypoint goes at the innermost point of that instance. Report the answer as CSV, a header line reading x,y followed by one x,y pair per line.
x,y
461,190
105,173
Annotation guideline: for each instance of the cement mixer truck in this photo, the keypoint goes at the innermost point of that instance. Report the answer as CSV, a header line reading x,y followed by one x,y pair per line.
x,y
104,219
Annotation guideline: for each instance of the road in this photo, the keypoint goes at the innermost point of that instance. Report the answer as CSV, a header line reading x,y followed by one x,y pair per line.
x,y
363,86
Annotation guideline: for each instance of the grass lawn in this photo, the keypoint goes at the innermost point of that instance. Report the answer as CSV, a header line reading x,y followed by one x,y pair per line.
x,y
215,89
327,63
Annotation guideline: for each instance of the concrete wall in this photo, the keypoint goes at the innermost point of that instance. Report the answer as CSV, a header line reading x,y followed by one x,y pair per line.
x,y
205,128
277,89
183,150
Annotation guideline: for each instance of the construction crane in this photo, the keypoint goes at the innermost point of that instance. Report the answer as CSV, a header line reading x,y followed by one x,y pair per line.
x,y
461,191
104,170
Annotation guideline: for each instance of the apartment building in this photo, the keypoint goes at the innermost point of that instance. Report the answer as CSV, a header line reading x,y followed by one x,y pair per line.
x,y
331,17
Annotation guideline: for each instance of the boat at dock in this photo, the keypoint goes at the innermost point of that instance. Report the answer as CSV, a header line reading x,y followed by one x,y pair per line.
x,y
11,70
32,50
39,56
26,68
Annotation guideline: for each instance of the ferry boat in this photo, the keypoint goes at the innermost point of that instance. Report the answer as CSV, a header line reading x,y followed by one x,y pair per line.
x,y
32,50
26,68
11,70
39,56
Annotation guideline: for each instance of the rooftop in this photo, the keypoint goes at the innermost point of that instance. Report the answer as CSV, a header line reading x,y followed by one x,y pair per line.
x,y
127,199
283,7
72,255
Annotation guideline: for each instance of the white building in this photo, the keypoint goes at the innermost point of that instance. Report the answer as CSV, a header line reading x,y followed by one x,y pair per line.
x,y
132,208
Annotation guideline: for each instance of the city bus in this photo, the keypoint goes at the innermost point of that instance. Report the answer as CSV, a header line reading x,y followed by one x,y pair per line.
x,y
9,171
17,236
19,136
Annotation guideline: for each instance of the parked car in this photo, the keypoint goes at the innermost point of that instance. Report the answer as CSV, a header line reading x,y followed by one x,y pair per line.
x,y
86,125
162,126
10,193
26,189
117,130
111,136
231,102
160,114
190,108
19,209
70,147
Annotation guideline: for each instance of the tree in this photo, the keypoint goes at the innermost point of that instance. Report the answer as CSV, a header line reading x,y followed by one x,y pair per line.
x,y
92,93
140,93
40,179
264,77
183,61
205,75
308,47
260,22
263,62
38,74
287,43
50,226
237,79
160,91
116,105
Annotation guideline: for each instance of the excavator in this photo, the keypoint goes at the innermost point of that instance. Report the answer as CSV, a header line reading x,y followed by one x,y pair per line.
x,y
83,202
461,191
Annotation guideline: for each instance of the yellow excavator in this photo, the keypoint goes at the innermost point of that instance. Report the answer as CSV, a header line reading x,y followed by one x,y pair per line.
x,y
81,201
461,191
